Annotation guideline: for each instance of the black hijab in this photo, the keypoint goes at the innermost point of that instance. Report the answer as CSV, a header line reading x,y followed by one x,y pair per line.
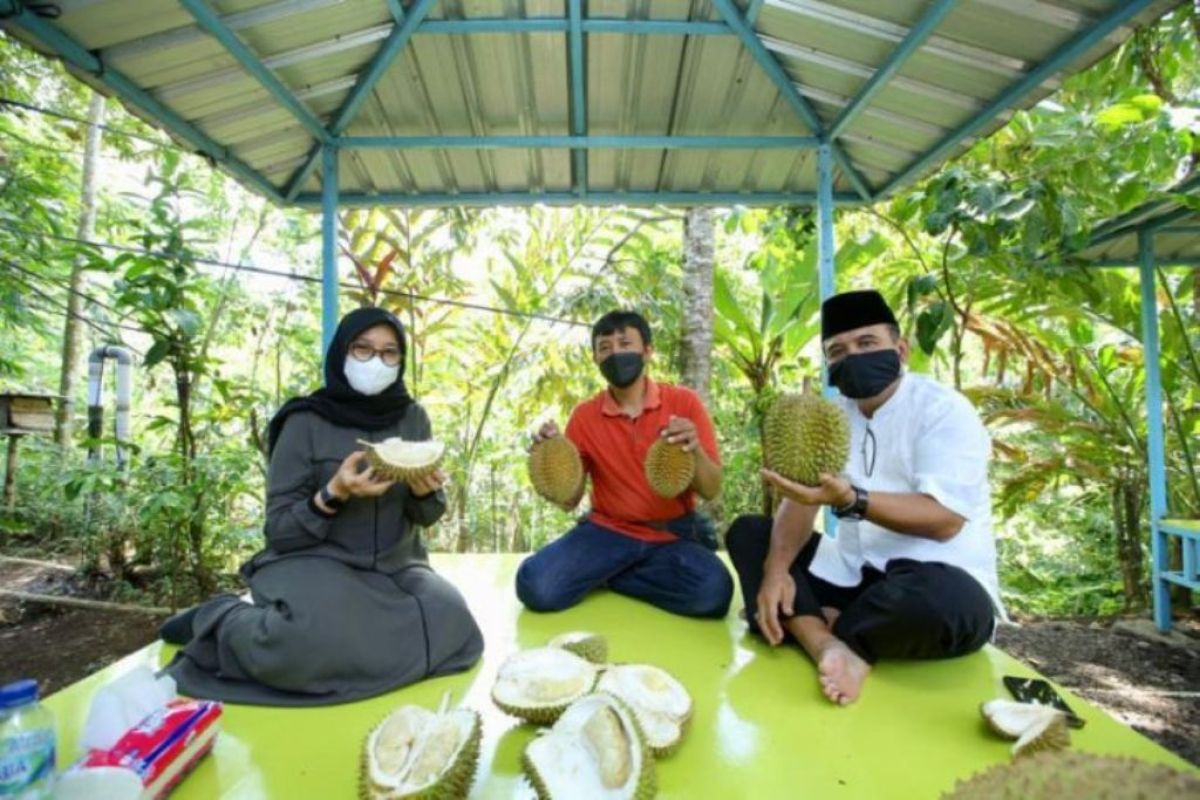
x,y
339,402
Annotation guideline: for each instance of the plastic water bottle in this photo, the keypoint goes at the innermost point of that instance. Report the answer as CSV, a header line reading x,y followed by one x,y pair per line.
x,y
26,744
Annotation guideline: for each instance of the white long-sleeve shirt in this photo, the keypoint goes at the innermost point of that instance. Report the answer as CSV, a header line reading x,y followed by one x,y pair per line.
x,y
927,438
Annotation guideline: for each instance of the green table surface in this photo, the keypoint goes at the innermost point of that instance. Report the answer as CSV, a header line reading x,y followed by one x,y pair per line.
x,y
761,728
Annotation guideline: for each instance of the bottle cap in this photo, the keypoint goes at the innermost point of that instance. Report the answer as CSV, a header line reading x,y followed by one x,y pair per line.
x,y
18,693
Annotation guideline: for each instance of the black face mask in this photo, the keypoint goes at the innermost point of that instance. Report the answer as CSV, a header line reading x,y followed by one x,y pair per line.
x,y
622,369
864,375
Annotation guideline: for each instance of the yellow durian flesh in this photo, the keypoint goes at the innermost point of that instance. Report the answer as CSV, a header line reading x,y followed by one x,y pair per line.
x,y
398,459
538,685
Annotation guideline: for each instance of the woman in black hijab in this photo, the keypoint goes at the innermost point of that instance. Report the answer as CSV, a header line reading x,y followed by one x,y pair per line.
x,y
343,603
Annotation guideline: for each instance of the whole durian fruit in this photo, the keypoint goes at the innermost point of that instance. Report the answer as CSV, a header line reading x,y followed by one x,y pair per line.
x,y
669,468
555,469
415,753
805,435
1068,775
397,459
595,750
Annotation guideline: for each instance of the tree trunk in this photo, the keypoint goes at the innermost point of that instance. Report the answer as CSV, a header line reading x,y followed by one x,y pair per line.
x,y
1127,519
71,367
697,340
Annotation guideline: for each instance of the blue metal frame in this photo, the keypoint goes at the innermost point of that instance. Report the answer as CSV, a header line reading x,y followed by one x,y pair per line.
x,y
753,9
83,59
563,198
786,88
917,35
1155,453
207,19
392,47
578,142
1074,49
826,254
577,69
559,25
329,245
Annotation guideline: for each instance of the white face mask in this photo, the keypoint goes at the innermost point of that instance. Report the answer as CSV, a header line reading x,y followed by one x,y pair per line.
x,y
370,377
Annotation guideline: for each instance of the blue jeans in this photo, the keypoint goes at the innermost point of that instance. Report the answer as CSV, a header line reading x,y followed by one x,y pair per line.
x,y
682,577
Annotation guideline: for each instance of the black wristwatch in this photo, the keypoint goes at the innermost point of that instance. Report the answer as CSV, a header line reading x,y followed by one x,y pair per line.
x,y
856,508
330,500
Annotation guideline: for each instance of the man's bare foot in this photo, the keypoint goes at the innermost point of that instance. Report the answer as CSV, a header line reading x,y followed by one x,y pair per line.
x,y
842,672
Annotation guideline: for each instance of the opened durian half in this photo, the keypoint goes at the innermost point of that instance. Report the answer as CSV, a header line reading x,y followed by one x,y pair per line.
x,y
594,752
538,685
417,753
669,468
1035,727
555,469
805,435
591,646
1077,776
398,459
661,703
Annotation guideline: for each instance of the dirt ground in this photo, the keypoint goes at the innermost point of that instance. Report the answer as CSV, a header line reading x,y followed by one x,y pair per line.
x,y
1149,685
1121,666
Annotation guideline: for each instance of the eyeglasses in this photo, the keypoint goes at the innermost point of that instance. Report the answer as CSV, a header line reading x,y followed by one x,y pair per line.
x,y
869,464
361,351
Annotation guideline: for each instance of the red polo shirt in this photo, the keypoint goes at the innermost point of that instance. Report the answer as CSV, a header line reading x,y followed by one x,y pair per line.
x,y
613,448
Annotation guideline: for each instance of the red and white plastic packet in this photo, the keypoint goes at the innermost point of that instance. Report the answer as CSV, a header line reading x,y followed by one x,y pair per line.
x,y
157,752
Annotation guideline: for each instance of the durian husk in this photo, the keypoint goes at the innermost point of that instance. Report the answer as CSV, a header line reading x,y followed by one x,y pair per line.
x,y
679,719
454,783
669,468
592,646
556,470
805,435
1035,727
544,711
646,786
392,471
1077,776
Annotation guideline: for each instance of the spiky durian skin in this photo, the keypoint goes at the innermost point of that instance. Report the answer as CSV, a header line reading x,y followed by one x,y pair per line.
x,y
1056,736
805,435
684,723
543,715
647,784
593,647
669,468
394,472
555,469
1077,776
454,784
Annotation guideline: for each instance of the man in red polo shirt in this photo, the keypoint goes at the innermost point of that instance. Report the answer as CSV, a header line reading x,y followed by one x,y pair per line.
x,y
634,541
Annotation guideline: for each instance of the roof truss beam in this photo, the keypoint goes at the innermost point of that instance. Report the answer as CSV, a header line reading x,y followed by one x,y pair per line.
x,y
1067,54
783,83
584,142
207,19
917,35
83,59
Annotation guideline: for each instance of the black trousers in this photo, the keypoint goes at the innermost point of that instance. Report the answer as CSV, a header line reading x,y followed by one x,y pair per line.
x,y
912,609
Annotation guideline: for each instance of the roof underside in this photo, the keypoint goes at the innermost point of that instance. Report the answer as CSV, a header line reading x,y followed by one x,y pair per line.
x,y
1172,225
800,72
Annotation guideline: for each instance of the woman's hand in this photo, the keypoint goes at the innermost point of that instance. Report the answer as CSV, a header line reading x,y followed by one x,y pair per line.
x,y
423,487
352,481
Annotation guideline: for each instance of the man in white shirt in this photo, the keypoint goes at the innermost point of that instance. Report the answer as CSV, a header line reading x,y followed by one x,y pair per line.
x,y
912,571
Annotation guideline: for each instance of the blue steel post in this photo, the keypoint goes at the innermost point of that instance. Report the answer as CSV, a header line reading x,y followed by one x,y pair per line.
x,y
825,253
1154,431
329,232
579,157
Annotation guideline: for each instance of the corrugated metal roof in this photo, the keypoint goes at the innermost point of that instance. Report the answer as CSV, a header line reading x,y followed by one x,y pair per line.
x,y
960,83
1173,223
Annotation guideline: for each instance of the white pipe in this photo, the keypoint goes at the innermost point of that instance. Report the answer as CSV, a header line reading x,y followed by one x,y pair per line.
x,y
96,399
